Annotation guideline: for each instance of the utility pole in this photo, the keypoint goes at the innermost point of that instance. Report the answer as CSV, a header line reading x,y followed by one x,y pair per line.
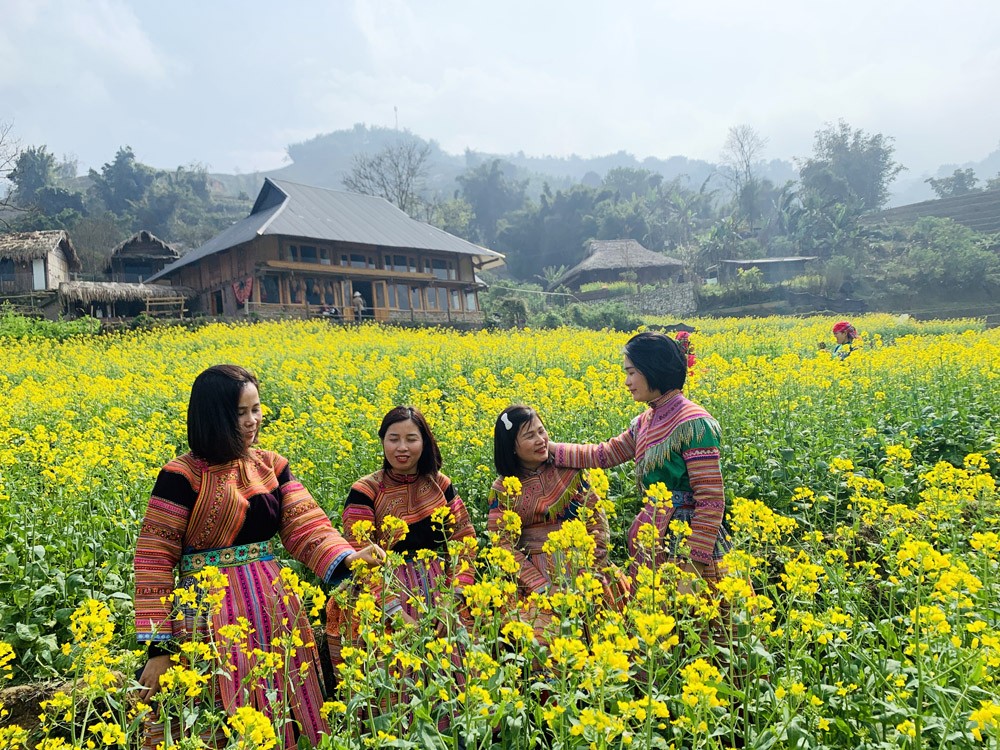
x,y
395,110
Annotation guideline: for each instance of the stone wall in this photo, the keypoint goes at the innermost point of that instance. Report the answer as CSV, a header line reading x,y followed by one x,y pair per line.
x,y
674,299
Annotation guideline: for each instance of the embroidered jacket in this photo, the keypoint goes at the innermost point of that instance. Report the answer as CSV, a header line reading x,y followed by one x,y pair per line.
x,y
675,442
196,506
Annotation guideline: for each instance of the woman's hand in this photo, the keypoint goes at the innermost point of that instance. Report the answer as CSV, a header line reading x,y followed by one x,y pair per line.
x,y
371,555
150,677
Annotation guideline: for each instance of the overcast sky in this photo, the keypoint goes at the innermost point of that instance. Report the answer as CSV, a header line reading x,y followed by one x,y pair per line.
x,y
229,84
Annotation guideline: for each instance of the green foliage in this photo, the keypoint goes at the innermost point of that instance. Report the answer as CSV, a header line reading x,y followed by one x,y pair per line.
x,y
122,183
15,325
629,182
851,167
491,194
812,283
747,288
596,317
960,182
937,254
613,288
836,271
454,216
510,312
34,169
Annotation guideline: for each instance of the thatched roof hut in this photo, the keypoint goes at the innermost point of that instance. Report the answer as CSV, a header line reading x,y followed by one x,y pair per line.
x,y
607,260
24,247
90,292
143,246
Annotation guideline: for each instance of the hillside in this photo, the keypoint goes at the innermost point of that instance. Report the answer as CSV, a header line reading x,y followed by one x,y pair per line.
x,y
325,160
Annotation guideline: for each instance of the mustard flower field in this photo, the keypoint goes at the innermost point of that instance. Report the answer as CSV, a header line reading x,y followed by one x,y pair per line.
x,y
861,609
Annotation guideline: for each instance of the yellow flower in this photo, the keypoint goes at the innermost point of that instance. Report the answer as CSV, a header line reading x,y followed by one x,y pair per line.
x,y
512,486
253,729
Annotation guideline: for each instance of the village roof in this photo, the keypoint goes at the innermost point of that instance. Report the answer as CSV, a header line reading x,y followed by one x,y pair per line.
x,y
139,239
24,246
618,255
87,292
294,210
770,261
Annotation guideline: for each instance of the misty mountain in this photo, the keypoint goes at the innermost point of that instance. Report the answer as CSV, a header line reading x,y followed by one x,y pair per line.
x,y
325,160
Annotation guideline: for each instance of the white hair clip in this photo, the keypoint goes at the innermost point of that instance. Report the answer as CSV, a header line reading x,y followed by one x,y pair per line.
x,y
506,420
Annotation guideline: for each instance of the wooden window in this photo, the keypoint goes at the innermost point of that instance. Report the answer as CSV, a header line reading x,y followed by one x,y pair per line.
x,y
402,297
456,300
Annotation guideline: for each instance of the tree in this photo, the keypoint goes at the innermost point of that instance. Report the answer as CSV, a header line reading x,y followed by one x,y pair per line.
x,y
122,184
10,149
741,155
630,182
454,216
849,166
492,195
396,173
961,182
34,169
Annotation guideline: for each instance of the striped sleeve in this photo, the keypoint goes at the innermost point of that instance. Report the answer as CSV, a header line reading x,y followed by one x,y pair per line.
x,y
306,531
158,551
464,574
529,576
702,459
613,452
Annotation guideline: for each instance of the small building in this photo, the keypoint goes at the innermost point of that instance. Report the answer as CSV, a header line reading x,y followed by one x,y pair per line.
x,y
614,260
305,251
115,299
774,270
139,257
35,261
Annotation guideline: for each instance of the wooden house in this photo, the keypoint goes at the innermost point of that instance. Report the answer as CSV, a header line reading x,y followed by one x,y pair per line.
x,y
35,261
303,250
139,257
617,260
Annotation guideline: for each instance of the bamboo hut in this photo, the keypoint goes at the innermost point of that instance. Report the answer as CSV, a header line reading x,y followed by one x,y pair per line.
x,y
614,260
35,261
140,256
111,299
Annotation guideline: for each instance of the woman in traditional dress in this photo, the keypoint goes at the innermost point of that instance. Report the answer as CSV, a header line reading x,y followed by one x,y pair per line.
x,y
847,339
409,487
674,442
220,505
547,496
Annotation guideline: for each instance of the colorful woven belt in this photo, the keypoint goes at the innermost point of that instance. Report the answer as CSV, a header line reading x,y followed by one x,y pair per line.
x,y
227,557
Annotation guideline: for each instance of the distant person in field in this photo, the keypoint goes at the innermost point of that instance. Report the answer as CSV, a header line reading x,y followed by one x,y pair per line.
x,y
687,348
220,505
847,339
674,442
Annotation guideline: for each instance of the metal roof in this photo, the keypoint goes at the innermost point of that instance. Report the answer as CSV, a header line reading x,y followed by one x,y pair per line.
x,y
293,210
769,261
